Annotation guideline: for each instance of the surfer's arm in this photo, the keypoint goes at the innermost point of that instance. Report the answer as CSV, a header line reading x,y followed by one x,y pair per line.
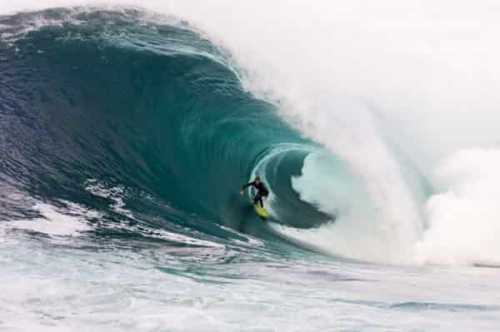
x,y
247,185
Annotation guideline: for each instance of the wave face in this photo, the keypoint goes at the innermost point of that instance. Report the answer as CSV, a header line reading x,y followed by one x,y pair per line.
x,y
98,101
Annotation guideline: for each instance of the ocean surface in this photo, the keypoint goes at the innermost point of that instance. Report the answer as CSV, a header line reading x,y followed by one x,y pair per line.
x,y
127,131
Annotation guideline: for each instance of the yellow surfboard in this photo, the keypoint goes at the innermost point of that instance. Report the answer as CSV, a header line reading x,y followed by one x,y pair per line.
x,y
261,212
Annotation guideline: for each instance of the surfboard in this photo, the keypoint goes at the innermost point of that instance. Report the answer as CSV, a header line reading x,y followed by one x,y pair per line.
x,y
261,212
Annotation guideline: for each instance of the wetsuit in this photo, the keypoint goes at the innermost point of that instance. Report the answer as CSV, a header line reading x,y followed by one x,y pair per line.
x,y
261,191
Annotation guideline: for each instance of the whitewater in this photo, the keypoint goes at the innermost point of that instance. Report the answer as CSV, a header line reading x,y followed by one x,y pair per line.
x,y
127,129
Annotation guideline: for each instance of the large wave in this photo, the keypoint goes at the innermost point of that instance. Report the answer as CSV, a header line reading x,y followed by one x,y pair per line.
x,y
105,98
118,97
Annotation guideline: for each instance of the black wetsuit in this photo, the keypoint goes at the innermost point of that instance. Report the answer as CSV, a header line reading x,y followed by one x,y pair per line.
x,y
261,191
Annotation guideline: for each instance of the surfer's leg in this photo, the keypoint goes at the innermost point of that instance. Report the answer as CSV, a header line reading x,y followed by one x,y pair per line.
x,y
262,200
258,199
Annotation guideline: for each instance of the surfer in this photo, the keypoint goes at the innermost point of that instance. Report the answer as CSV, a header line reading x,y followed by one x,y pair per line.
x,y
262,191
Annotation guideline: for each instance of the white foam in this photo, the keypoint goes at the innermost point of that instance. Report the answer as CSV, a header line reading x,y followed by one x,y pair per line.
x,y
115,194
464,215
361,228
54,222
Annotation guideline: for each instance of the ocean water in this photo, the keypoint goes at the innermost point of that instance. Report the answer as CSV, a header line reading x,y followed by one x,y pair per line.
x,y
127,130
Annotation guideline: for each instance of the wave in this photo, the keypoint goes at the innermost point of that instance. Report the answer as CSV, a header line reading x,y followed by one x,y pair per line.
x,y
178,113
